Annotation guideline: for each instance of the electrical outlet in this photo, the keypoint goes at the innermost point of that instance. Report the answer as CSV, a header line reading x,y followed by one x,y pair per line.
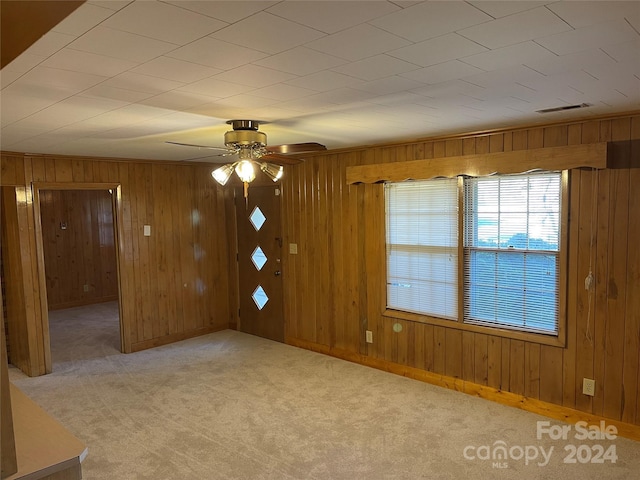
x,y
86,288
588,386
369,336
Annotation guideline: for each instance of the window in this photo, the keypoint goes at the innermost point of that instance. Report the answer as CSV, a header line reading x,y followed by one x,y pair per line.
x,y
511,251
509,247
422,247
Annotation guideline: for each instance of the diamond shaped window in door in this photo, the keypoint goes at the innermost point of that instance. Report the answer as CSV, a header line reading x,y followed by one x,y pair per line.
x,y
258,258
257,218
260,297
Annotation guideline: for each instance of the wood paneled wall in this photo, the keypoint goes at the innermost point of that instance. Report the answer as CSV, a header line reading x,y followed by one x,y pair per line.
x,y
79,247
334,286
174,283
24,319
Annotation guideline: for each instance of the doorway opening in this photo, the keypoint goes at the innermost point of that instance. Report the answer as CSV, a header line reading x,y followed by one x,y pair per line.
x,y
76,229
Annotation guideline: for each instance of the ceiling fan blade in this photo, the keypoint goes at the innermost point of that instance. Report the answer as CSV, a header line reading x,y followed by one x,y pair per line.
x,y
280,159
297,148
198,146
197,159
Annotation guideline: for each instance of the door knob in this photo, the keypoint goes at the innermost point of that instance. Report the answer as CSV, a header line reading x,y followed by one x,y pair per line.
x,y
277,273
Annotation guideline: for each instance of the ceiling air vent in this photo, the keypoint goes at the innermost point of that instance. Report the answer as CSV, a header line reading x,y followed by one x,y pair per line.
x,y
563,108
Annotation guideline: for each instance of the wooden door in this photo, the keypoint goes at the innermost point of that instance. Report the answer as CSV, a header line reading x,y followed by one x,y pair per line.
x,y
259,262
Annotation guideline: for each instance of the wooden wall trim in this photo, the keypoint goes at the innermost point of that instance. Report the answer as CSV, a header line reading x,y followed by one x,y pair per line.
x,y
509,399
119,239
39,260
82,158
552,158
75,185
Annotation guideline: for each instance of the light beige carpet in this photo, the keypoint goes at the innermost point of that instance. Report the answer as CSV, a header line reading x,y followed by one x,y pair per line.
x,y
234,406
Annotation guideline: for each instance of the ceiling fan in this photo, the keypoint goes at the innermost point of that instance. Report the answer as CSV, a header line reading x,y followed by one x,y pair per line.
x,y
251,147
249,144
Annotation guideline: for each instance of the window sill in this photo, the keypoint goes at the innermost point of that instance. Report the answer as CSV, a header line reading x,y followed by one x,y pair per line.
x,y
552,340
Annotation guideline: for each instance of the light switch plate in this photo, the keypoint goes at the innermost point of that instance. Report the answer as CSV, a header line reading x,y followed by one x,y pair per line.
x,y
147,230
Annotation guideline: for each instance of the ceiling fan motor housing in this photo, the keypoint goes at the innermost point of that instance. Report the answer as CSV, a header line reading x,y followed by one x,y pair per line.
x,y
245,133
245,137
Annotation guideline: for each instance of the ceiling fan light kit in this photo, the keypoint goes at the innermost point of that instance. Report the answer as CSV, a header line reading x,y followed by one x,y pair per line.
x,y
250,145
246,171
223,174
274,172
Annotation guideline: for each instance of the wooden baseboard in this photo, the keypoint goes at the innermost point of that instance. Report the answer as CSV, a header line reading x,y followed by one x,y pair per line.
x,y
557,412
176,337
83,302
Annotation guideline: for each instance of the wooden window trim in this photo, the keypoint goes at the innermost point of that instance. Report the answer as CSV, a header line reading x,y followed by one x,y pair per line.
x,y
592,155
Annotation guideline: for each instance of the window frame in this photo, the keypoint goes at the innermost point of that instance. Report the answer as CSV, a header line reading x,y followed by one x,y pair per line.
x,y
459,323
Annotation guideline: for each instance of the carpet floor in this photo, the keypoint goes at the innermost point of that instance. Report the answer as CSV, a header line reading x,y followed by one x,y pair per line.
x,y
233,406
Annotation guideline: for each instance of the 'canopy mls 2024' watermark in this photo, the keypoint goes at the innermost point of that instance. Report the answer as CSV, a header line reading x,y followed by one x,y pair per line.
x,y
500,453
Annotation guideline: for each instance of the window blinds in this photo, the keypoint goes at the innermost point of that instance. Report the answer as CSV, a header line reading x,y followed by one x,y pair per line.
x,y
511,250
422,247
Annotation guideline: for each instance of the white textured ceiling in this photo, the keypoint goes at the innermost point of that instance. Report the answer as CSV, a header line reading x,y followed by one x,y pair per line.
x,y
119,78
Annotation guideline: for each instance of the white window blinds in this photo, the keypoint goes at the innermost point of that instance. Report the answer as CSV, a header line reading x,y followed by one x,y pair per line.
x,y
422,247
511,251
